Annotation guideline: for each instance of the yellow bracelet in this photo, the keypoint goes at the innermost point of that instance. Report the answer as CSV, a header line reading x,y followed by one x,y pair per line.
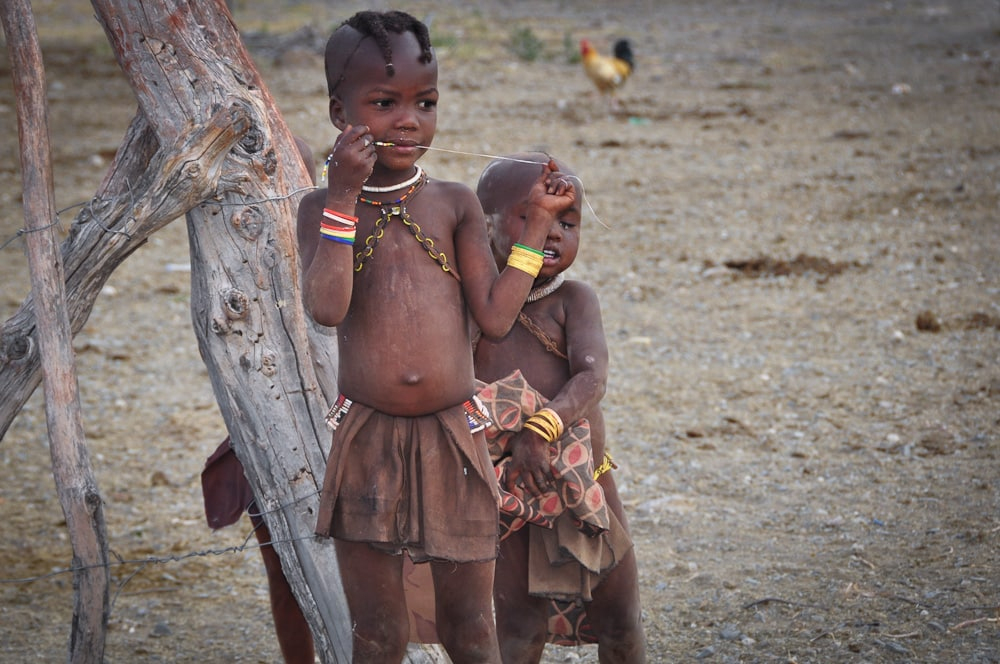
x,y
524,265
546,423
606,465
525,261
552,417
533,426
534,255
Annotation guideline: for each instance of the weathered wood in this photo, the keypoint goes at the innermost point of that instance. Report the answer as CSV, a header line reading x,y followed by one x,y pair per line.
x,y
185,61
130,205
209,142
74,476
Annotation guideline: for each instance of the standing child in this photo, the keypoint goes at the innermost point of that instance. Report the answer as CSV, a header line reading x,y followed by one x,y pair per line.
x,y
408,471
560,350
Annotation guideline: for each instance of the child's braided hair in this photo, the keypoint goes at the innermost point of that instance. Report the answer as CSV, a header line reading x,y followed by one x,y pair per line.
x,y
378,25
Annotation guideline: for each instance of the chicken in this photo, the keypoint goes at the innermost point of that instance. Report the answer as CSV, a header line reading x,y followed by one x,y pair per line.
x,y
608,72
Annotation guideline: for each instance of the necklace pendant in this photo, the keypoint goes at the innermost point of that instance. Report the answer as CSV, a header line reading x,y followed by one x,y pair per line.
x,y
396,210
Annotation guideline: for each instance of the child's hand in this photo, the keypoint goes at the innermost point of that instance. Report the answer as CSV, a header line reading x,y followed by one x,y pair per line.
x,y
530,466
553,192
351,161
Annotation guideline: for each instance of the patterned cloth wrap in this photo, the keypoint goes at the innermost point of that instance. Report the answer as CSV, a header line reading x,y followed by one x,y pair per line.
x,y
510,402
578,541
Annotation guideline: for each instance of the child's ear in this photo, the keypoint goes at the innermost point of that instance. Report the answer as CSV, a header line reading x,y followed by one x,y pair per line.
x,y
337,113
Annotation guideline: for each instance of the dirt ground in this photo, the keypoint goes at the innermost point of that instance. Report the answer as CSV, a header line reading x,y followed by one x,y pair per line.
x,y
795,236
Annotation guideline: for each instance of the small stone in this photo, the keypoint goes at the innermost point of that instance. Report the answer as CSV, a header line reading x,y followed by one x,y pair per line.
x,y
730,633
928,322
705,653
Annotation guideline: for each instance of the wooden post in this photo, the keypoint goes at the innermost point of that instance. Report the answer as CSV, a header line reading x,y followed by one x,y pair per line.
x,y
74,478
189,69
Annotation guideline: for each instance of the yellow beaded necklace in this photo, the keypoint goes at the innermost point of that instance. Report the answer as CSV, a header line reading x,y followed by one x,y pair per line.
x,y
397,208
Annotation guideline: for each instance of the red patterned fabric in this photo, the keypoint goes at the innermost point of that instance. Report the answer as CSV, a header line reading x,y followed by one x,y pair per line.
x,y
510,402
568,624
574,538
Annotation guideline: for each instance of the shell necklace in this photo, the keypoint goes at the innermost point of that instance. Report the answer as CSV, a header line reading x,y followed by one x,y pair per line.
x,y
546,289
394,187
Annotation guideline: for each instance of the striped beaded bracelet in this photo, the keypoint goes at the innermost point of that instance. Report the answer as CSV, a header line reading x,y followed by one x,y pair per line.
x,y
345,219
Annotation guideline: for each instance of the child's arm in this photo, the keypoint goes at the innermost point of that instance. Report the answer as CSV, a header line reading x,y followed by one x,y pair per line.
x,y
588,364
328,265
494,301
587,349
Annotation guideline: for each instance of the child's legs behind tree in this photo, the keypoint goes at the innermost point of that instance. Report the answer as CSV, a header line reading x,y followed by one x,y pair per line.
x,y
294,636
521,618
463,595
373,587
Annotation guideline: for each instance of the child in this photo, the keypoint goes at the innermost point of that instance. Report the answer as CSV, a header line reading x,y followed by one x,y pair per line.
x,y
560,350
408,470
227,495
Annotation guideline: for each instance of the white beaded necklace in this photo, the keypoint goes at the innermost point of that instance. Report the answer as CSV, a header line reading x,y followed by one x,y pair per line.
x,y
549,288
393,187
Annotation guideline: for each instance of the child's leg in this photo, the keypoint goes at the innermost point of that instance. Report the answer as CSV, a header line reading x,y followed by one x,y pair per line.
x,y
294,636
373,586
463,594
615,612
615,615
521,618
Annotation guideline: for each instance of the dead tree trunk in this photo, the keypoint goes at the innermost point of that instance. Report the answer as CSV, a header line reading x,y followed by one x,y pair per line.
x,y
74,477
207,137
189,69
209,142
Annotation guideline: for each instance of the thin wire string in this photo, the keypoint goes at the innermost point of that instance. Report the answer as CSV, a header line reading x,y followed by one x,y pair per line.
x,y
384,144
586,199
153,560
22,231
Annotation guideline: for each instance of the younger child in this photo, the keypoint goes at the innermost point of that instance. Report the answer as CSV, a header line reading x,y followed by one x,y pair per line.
x,y
408,470
560,350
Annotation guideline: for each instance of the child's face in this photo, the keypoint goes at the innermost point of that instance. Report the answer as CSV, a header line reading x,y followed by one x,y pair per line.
x,y
399,109
561,244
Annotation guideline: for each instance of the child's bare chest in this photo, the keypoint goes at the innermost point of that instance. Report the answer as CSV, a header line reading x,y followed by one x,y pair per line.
x,y
535,346
401,235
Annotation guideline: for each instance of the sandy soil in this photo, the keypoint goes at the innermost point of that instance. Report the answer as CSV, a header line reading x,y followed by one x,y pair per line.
x,y
795,237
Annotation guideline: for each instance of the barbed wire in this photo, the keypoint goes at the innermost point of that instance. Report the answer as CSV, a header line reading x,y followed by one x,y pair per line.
x,y
150,560
24,231
144,563
131,218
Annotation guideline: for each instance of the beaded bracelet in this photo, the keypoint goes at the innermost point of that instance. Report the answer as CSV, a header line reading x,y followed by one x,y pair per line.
x,y
341,240
342,235
607,465
345,219
336,227
525,260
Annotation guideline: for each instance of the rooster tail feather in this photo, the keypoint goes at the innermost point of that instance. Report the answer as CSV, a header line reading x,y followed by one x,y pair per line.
x,y
623,51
